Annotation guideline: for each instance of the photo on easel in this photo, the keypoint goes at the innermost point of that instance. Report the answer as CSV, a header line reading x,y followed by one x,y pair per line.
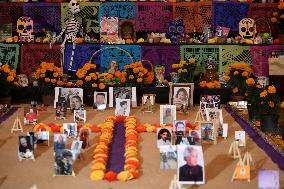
x,y
195,137
268,179
26,148
122,93
168,157
59,143
84,137
167,114
223,130
190,165
63,163
39,137
100,100
210,101
70,129
240,136
207,131
148,102
80,116
30,115
61,110
181,94
76,149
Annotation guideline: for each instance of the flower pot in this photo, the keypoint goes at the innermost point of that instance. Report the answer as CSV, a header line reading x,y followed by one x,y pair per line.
x,y
6,100
237,98
48,100
268,123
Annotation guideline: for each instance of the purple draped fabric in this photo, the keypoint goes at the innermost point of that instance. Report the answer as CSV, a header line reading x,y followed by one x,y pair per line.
x,y
275,156
6,115
116,153
158,54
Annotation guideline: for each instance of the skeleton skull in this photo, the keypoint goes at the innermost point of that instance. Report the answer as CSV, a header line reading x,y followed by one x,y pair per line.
x,y
247,28
25,26
74,6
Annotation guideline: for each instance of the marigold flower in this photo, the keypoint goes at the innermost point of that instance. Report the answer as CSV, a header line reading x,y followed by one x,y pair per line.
x,y
227,78
123,74
235,90
131,77
79,82
69,84
117,74
282,16
139,80
236,72
273,20
94,85
250,82
271,104
47,80
210,85
42,75
245,74
202,84
271,89
53,80
123,80
275,13
88,78
140,74
60,83
10,78
135,70
282,104
263,94
217,84
102,86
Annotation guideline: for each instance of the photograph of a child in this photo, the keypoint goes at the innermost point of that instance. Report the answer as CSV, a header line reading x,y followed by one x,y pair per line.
x,y
164,136
59,143
181,96
26,148
122,107
72,96
100,100
167,114
63,163
168,157
191,165
80,115
148,103
30,115
195,137
76,149
61,109
70,129
207,131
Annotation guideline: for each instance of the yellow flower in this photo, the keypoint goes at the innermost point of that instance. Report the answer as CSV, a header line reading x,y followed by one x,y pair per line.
x,y
131,77
79,82
47,80
53,80
235,90
10,78
123,80
275,13
123,74
245,74
42,75
94,85
145,71
140,74
184,70
263,94
281,5
250,82
271,89
202,84
43,70
236,72
228,71
226,78
135,70
102,86
191,60
69,84
87,67
179,70
271,104
139,80
273,20
88,78
55,74
282,104
60,83
217,84
92,74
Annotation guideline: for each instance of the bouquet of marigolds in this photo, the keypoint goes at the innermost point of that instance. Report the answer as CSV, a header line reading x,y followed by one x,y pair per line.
x,y
236,76
269,100
48,77
136,75
185,69
253,91
89,79
7,77
112,79
210,84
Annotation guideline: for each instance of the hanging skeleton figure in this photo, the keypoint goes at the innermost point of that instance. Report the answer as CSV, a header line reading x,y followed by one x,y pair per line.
x,y
70,29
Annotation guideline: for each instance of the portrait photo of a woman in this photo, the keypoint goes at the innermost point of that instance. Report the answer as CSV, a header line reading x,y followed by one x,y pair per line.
x,y
191,165
164,137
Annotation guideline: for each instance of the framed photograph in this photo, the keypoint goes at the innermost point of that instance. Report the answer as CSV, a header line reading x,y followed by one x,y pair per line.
x,y
168,157
223,130
210,101
127,29
167,114
76,149
181,94
73,97
122,93
61,110
63,162
268,179
241,137
39,137
181,138
100,100
207,131
122,107
80,115
26,148
195,137
70,129
180,125
59,143
84,137
30,115
190,165
148,102
164,136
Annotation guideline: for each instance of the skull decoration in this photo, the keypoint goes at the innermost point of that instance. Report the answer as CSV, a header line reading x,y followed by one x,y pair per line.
x,y
175,28
247,28
25,26
73,6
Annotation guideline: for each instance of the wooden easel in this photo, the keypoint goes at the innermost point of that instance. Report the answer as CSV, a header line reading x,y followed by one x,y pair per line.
x,y
199,116
175,184
234,150
247,160
241,172
17,126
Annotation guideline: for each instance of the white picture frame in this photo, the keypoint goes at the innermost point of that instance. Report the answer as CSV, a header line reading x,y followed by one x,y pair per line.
x,y
184,175
70,129
68,94
26,148
76,148
122,93
208,131
122,107
164,136
241,137
148,102
100,100
225,130
80,116
167,114
168,157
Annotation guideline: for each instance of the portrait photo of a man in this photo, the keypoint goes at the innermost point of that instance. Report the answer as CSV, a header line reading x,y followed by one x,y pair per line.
x,y
100,100
191,165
